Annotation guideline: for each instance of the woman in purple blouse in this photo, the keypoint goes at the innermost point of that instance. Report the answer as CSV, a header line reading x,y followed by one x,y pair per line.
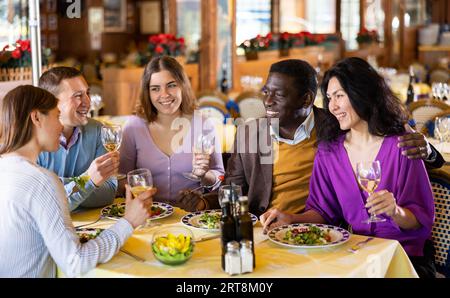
x,y
364,121
161,135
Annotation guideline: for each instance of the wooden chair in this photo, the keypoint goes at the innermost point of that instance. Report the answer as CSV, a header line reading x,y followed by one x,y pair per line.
x,y
251,105
212,96
440,184
213,109
439,76
424,110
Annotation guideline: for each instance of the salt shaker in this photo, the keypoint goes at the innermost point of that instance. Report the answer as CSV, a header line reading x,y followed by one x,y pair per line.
x,y
233,258
247,258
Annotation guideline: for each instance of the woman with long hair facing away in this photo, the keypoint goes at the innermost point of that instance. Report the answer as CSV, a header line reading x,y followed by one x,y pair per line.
x,y
360,176
169,137
35,224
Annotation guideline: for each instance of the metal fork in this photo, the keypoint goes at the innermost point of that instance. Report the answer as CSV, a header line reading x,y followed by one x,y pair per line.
x,y
358,245
138,258
91,223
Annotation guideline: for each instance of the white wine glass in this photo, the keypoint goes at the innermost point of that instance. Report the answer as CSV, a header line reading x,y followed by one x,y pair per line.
x,y
140,180
442,130
369,176
112,138
204,144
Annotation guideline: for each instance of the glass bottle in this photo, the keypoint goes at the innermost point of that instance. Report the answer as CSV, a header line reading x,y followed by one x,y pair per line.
x,y
224,86
244,221
227,227
410,92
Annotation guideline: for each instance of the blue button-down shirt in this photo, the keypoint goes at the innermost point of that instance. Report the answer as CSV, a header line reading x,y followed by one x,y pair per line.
x,y
73,159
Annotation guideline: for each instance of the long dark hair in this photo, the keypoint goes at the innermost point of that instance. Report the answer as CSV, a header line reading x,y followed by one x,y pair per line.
x,y
144,107
370,97
16,127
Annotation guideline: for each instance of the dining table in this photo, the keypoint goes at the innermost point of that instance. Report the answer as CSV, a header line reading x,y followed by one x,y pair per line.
x,y
376,258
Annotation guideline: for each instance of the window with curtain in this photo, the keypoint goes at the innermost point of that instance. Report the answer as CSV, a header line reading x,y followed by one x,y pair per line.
x,y
415,14
189,26
252,18
224,41
374,17
315,16
13,21
350,22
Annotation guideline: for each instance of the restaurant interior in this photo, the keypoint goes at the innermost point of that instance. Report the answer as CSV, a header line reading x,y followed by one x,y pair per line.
x,y
226,48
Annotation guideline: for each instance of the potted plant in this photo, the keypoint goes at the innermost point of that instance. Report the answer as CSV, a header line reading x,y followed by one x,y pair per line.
x,y
366,38
15,61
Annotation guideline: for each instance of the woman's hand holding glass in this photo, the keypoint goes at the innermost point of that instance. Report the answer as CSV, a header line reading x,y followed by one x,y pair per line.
x,y
203,148
369,176
139,180
381,202
137,210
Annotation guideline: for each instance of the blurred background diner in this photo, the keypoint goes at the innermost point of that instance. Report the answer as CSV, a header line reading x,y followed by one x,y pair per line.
x,y
226,48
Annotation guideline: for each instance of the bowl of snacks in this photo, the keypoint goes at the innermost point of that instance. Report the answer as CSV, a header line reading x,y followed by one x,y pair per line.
x,y
173,245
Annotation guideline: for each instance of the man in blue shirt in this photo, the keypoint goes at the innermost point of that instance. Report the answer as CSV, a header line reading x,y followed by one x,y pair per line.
x,y
81,155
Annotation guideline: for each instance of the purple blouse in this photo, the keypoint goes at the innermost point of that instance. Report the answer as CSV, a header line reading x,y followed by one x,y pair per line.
x,y
139,151
336,195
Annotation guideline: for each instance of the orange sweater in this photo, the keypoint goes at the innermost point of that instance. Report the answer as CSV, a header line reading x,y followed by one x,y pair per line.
x,y
291,173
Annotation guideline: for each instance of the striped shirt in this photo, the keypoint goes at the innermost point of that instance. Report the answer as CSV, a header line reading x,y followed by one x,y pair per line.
x,y
36,230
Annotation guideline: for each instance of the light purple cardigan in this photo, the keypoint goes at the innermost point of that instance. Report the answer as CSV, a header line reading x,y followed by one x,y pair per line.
x,y
139,151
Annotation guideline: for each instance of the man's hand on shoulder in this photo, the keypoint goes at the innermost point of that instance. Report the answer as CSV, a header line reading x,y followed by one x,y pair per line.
x,y
419,146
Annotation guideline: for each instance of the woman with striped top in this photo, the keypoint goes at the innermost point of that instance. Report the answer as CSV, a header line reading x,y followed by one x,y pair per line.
x,y
35,226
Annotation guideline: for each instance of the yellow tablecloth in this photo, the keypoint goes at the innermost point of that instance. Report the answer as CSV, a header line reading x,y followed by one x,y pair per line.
x,y
379,258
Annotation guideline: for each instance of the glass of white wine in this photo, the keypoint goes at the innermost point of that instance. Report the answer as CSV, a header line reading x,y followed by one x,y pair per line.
x,y
140,180
112,138
442,130
369,176
203,145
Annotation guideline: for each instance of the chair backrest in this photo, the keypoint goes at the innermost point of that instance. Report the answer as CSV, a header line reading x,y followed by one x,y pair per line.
x,y
424,110
212,96
439,76
251,105
212,109
440,183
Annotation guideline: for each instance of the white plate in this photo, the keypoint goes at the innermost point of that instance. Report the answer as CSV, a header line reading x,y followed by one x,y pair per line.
x,y
338,235
167,210
193,219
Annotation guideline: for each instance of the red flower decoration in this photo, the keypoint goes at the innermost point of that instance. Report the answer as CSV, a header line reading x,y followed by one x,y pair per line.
x,y
159,49
16,54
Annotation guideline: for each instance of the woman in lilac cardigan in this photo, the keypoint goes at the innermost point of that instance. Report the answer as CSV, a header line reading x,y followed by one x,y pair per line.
x,y
363,124
161,136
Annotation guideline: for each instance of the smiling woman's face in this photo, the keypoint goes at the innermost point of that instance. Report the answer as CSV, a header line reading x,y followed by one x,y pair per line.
x,y
340,105
165,93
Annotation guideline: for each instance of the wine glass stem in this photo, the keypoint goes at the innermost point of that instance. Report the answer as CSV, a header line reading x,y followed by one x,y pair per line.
x,y
372,215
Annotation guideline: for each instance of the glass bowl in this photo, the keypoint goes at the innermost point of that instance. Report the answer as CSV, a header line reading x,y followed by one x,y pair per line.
x,y
173,245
